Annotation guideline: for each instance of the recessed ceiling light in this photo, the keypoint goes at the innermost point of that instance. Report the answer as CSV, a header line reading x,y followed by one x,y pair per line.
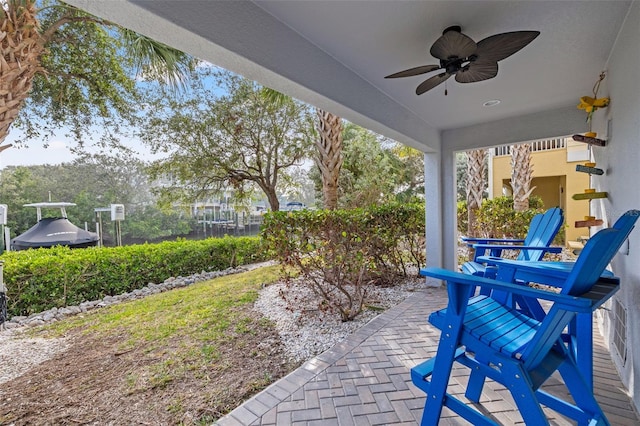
x,y
491,103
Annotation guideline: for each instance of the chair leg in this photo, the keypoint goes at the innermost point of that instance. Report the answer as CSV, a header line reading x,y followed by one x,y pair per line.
x,y
476,381
518,382
582,394
439,380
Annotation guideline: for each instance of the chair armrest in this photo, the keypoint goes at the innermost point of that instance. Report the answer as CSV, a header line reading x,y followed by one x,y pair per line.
x,y
509,247
495,250
550,273
471,240
575,304
541,272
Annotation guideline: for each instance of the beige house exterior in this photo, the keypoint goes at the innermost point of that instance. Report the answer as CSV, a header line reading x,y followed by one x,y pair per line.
x,y
554,177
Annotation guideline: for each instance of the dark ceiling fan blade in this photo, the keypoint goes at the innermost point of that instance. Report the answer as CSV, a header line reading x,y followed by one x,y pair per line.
x,y
453,44
414,71
432,82
500,46
477,71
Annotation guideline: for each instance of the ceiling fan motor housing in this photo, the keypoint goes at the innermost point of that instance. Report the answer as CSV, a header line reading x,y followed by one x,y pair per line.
x,y
456,28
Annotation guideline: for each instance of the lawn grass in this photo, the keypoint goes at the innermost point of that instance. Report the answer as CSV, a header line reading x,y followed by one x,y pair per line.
x,y
203,311
205,336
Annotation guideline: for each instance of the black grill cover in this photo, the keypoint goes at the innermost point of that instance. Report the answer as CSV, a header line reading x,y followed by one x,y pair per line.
x,y
53,231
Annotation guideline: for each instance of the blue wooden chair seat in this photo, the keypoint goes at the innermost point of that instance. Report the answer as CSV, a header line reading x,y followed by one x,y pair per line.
x,y
496,340
542,230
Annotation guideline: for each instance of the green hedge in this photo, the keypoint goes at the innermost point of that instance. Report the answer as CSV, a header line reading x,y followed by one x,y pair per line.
x,y
496,218
339,251
41,279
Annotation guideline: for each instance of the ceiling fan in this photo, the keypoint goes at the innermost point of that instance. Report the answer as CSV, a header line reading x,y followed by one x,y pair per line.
x,y
469,61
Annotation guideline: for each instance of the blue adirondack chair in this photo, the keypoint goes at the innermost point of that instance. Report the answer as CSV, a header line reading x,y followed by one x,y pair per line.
x,y
542,230
579,332
496,340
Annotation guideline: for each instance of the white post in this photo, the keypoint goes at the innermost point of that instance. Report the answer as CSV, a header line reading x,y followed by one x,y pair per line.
x,y
3,297
433,212
7,238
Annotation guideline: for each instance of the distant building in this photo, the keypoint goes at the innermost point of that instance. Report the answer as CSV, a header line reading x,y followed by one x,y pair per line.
x,y
554,177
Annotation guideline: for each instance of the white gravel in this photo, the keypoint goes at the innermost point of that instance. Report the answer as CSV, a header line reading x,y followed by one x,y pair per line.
x,y
19,354
307,331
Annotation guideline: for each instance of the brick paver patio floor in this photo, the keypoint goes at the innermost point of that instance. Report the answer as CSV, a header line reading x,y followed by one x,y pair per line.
x,y
365,379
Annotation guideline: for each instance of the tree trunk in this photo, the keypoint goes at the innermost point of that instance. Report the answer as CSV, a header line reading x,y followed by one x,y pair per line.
x,y
475,187
272,198
521,176
20,50
329,155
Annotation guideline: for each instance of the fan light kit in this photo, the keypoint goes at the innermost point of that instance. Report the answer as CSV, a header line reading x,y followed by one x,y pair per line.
x,y
469,61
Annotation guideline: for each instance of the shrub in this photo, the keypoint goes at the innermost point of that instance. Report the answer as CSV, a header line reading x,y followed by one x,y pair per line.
x,y
497,219
41,279
337,252
463,218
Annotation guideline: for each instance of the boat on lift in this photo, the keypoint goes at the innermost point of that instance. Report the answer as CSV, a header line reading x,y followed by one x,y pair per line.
x,y
54,231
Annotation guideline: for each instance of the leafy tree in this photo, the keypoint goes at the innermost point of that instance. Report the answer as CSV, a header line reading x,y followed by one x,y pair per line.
x,y
18,186
328,156
375,169
240,138
149,223
91,181
461,176
64,67
410,172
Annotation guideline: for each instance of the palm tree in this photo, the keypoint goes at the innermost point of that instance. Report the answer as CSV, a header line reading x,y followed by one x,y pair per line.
x,y
329,155
21,45
24,43
475,186
521,176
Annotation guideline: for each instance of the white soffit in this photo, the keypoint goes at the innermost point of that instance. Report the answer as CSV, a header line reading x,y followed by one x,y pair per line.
x,y
334,54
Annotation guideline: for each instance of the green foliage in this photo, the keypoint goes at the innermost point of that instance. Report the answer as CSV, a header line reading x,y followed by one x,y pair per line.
x,y
44,278
497,219
338,252
461,176
233,136
90,181
463,217
149,223
90,69
375,170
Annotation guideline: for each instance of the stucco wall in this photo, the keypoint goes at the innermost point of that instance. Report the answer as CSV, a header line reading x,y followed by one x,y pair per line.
x,y
620,124
551,164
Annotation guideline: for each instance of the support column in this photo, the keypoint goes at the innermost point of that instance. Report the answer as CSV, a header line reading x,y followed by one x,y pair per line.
x,y
440,212
433,212
449,211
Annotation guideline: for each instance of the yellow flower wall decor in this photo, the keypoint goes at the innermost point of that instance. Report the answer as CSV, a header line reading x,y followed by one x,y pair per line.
x,y
591,104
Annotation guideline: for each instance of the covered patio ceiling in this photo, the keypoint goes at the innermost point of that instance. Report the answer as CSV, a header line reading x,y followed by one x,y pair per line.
x,y
335,54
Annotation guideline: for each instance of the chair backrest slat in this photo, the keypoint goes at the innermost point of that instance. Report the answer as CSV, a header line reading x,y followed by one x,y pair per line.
x,y
542,230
